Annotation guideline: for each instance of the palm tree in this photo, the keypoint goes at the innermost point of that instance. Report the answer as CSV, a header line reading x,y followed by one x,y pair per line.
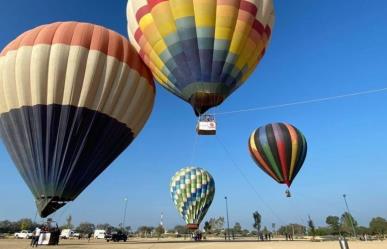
x,y
257,221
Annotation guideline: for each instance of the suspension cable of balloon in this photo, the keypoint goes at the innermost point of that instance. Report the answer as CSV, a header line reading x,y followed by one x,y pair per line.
x,y
61,213
294,206
227,152
311,101
196,138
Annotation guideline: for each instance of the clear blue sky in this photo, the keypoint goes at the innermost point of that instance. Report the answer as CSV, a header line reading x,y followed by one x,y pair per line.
x,y
319,48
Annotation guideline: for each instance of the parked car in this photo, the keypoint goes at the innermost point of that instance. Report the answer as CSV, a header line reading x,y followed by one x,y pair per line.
x,y
68,234
116,236
76,235
99,234
24,234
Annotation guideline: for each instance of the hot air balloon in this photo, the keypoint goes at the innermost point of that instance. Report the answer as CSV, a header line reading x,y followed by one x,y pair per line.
x,y
279,149
201,50
73,96
192,190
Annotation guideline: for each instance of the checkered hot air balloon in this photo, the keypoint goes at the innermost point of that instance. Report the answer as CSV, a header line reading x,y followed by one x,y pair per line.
x,y
192,190
201,50
73,96
279,149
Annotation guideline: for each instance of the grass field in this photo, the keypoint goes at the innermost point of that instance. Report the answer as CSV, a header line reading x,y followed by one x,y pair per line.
x,y
181,244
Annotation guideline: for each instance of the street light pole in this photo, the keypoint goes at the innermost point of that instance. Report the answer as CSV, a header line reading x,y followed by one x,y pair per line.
x,y
350,218
124,216
228,223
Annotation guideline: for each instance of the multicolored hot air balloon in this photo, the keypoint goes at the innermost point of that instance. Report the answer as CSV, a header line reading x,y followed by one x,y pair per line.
x,y
73,96
201,50
279,149
192,191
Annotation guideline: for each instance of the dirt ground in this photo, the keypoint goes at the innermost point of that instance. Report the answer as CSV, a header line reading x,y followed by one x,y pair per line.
x,y
181,244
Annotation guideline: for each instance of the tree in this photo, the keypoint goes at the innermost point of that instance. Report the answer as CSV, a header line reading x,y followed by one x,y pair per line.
x,y
312,229
7,226
245,232
207,227
363,230
69,225
85,228
297,228
128,228
334,224
145,231
347,221
378,226
323,231
26,224
257,221
105,226
237,229
159,231
217,224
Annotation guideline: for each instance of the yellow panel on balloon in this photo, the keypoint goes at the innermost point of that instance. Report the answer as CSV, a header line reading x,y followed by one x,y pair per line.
x,y
159,47
152,34
145,21
181,8
205,13
156,59
163,18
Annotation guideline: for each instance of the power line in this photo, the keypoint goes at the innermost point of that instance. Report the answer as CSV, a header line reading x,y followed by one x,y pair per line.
x,y
247,180
262,108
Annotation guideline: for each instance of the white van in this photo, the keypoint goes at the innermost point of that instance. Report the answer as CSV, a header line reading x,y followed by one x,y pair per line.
x,y
99,234
68,233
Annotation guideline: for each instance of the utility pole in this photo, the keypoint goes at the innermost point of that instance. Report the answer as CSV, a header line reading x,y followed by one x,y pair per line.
x,y
162,222
350,218
273,228
124,216
292,231
228,223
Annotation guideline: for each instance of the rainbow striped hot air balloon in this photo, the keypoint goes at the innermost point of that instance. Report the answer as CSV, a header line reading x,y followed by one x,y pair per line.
x,y
279,149
201,50
73,96
192,190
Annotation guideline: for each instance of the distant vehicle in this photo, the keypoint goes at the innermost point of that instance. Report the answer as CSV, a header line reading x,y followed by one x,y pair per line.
x,y
23,234
68,233
116,236
99,234
76,235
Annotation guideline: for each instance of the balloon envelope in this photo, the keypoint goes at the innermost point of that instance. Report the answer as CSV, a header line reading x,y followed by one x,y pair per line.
x,y
192,190
201,50
73,96
279,149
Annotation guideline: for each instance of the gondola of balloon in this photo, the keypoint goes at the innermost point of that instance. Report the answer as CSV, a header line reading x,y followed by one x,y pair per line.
x,y
73,95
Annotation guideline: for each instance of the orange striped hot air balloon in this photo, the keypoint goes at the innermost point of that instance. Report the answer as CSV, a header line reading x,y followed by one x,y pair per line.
x,y
73,96
279,149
